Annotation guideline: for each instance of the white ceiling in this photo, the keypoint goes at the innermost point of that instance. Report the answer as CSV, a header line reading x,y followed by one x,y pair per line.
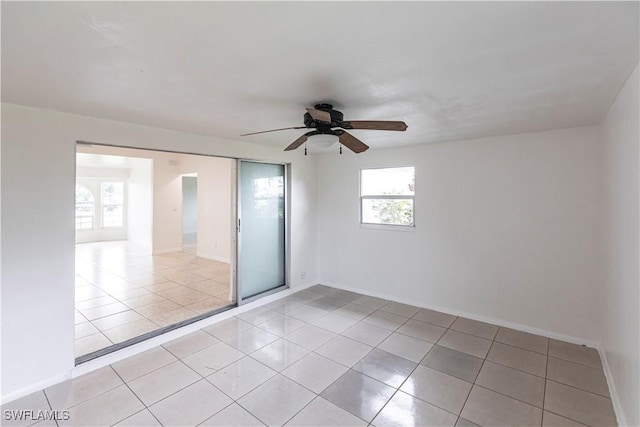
x,y
89,160
451,70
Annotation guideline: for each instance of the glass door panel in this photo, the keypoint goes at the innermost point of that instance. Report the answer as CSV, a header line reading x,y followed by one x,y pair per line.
x,y
261,228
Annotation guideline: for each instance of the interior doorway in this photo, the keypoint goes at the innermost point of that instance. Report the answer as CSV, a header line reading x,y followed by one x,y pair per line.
x,y
190,212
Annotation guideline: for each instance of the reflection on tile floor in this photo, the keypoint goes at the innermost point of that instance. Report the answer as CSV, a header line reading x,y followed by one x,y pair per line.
x,y
122,292
328,357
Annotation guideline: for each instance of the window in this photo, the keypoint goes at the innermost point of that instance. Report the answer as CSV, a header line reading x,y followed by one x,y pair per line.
x,y
85,208
112,204
387,196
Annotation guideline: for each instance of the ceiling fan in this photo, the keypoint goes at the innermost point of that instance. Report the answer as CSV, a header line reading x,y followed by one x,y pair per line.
x,y
324,120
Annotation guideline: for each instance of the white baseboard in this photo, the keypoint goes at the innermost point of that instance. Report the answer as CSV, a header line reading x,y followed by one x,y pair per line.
x,y
613,393
25,391
468,315
512,325
214,257
166,251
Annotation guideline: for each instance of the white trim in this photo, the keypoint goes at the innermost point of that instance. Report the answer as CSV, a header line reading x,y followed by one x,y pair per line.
x,y
613,393
166,251
25,391
213,257
474,316
388,227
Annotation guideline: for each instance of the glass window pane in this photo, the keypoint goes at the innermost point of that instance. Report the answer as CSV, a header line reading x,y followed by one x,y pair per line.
x,y
112,204
387,211
388,181
262,233
84,208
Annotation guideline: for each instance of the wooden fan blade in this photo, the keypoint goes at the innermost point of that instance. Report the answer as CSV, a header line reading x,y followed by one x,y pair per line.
x,y
273,130
374,125
352,143
319,115
297,143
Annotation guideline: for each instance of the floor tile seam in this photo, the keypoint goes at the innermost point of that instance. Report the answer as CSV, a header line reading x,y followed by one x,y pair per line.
x,y
577,363
146,373
385,404
208,418
316,397
93,397
472,384
96,333
48,402
521,348
340,363
581,366
361,373
530,351
312,349
470,335
137,397
434,324
106,315
515,369
200,378
510,397
544,392
255,349
432,403
566,416
252,414
474,335
580,389
163,345
420,339
383,327
412,371
207,378
124,324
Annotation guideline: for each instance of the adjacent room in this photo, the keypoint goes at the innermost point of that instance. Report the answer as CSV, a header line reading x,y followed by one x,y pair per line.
x,y
140,266
320,213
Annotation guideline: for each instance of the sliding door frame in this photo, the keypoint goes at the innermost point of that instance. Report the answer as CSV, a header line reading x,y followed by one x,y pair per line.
x,y
238,224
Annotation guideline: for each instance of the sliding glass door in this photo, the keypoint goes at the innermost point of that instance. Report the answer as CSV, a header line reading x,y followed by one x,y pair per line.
x,y
261,228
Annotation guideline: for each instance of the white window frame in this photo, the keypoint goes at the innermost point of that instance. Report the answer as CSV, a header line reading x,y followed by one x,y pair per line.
x,y
403,227
93,211
103,204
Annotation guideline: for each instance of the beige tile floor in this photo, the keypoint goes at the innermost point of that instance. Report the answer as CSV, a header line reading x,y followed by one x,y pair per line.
x,y
328,357
122,292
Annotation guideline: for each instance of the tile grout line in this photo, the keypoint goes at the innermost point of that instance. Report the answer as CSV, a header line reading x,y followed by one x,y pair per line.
x,y
316,395
145,407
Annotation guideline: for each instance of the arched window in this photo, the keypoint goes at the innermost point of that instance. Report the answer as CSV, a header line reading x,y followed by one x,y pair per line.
x,y
85,208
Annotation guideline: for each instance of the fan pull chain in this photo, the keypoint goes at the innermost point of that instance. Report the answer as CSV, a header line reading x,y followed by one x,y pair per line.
x,y
305,149
341,149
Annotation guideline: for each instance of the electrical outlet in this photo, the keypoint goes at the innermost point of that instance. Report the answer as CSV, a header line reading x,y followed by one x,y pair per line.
x,y
303,275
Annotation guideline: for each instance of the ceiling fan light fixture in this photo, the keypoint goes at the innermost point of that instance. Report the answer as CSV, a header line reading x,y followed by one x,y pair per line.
x,y
324,140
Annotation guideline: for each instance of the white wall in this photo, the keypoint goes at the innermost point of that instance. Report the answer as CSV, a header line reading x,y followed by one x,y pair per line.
x,y
214,204
507,229
167,203
140,198
620,137
38,158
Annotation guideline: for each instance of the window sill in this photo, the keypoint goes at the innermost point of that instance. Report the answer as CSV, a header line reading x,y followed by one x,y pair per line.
x,y
389,227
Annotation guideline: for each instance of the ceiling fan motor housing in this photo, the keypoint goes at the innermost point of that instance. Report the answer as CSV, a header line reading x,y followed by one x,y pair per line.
x,y
336,118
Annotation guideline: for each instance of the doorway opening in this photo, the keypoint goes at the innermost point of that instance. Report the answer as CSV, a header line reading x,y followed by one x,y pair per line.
x,y
190,212
155,243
